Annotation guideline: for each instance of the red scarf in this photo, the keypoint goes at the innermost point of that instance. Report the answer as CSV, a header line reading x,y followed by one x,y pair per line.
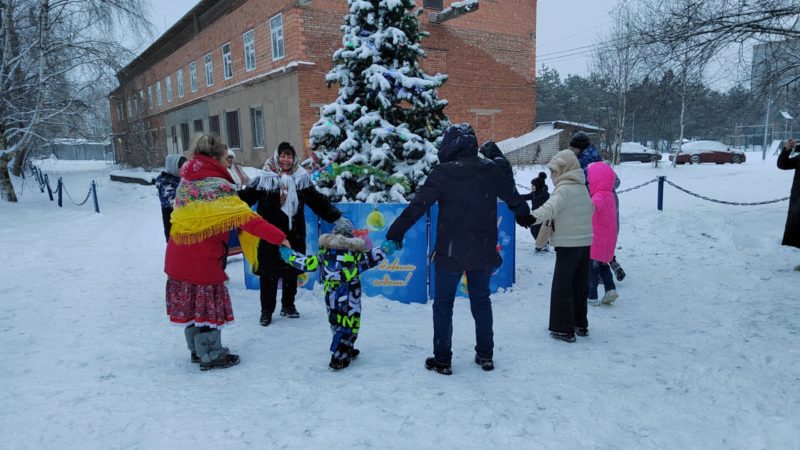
x,y
201,166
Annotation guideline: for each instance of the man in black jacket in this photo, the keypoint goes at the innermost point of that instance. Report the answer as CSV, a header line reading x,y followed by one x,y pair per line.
x,y
466,188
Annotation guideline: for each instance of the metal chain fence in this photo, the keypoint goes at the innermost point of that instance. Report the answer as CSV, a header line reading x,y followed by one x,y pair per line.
x,y
88,194
682,189
43,182
723,201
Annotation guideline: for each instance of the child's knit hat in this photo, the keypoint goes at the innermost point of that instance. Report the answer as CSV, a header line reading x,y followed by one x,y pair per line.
x,y
343,227
539,181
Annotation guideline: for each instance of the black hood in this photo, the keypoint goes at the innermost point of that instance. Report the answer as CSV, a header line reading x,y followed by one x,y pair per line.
x,y
490,150
459,141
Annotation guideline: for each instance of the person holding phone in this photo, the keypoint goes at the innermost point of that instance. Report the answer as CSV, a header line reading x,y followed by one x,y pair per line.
x,y
789,159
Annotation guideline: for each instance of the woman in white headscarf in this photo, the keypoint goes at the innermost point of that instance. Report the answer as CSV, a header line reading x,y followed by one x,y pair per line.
x,y
282,190
239,177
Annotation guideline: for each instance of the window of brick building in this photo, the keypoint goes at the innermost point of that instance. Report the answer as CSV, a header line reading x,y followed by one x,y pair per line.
x,y
185,136
168,85
209,69
249,51
213,125
159,97
432,4
174,133
179,80
193,76
140,103
276,32
150,97
227,63
198,126
120,109
232,128
257,126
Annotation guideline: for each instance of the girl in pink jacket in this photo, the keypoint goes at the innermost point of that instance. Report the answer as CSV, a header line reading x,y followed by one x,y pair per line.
x,y
604,230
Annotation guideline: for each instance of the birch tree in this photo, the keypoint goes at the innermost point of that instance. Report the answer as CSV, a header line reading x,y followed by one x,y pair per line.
x,y
53,53
618,60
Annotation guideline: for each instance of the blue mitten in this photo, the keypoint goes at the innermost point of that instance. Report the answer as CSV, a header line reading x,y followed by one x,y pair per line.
x,y
389,247
286,253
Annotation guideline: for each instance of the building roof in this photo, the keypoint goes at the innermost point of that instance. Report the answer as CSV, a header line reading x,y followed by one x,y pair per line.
x,y
204,13
565,123
539,134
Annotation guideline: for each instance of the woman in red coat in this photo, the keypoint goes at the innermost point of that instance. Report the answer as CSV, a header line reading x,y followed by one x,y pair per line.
x,y
206,208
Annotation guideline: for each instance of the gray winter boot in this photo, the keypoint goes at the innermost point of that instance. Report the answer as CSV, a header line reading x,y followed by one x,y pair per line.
x,y
190,332
212,354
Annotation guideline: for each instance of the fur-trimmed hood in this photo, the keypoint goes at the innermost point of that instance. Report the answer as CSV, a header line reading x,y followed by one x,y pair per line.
x,y
339,242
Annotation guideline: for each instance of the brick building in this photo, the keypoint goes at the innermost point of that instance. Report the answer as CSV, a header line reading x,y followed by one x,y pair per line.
x,y
253,71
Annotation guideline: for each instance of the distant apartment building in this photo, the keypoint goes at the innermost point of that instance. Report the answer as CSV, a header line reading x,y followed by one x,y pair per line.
x,y
775,79
775,66
253,72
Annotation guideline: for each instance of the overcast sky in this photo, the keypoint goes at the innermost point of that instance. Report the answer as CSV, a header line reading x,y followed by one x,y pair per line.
x,y
564,29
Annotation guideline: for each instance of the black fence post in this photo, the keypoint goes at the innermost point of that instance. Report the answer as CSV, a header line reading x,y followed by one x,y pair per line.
x,y
47,184
60,188
94,196
661,192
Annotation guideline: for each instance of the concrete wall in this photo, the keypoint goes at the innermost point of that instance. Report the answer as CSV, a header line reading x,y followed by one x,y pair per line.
x,y
184,115
536,153
279,99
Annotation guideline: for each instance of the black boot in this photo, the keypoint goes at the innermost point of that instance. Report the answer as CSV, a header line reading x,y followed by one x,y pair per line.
x,y
442,368
223,362
582,332
566,337
618,272
338,363
290,312
486,363
265,320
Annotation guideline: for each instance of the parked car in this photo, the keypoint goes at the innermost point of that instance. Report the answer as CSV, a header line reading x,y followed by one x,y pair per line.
x,y
632,151
697,152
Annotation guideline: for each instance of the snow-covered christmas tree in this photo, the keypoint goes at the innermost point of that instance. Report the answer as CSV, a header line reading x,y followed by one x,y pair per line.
x,y
377,140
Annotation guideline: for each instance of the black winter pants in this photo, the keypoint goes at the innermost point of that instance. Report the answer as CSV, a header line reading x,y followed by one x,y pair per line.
x,y
570,290
166,215
269,289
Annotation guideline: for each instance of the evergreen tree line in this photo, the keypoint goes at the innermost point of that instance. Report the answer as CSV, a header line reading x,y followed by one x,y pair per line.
x,y
735,116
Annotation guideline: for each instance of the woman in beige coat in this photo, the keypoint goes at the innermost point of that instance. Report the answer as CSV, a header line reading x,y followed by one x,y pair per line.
x,y
570,210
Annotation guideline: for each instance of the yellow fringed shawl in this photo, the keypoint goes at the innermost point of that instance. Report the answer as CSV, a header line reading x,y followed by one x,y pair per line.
x,y
208,207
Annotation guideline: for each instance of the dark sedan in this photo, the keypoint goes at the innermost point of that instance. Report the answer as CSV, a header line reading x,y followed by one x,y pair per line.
x,y
697,152
632,151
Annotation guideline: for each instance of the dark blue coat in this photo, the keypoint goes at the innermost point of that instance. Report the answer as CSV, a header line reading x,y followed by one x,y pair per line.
x,y
466,188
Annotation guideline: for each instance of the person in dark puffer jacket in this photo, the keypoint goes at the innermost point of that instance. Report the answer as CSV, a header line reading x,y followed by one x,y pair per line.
x,y
538,196
466,188
166,184
789,159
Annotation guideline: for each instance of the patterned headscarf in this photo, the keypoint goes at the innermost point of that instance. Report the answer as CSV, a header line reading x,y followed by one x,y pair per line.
x,y
206,204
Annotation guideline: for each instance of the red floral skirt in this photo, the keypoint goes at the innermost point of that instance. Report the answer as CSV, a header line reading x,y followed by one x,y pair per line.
x,y
204,305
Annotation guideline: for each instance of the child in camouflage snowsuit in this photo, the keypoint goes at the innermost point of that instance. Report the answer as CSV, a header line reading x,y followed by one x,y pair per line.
x,y
341,260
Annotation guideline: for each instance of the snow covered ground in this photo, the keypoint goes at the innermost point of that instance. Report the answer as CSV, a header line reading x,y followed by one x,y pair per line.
x,y
702,350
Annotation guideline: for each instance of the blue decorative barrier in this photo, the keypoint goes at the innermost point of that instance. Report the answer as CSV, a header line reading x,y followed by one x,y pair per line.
x,y
304,280
403,277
